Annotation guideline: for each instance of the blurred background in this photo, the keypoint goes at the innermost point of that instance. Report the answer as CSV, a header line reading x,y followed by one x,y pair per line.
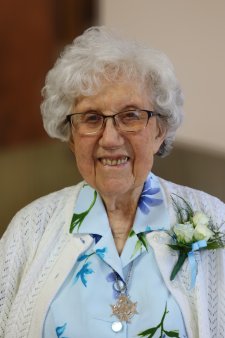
x,y
32,34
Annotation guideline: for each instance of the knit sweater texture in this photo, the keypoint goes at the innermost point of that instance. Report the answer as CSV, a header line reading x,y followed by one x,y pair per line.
x,y
37,252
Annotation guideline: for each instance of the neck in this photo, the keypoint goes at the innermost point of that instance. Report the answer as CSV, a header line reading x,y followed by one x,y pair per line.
x,y
121,212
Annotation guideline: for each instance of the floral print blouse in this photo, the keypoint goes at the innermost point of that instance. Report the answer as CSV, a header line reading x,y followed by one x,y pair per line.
x,y
82,308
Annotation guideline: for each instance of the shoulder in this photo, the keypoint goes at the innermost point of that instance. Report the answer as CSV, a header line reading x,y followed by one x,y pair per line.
x,y
31,221
199,200
54,199
51,202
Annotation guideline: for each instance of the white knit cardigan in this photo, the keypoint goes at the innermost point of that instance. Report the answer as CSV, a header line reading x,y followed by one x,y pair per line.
x,y
37,252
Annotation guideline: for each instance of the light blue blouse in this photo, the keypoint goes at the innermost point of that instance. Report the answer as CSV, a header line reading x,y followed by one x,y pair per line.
x,y
83,306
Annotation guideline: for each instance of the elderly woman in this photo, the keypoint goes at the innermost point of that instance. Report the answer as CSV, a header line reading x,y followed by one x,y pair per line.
x,y
124,253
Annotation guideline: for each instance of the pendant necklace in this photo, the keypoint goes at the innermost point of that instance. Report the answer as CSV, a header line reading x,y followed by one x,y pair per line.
x,y
124,309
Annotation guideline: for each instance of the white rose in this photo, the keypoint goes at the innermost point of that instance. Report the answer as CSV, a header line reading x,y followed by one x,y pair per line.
x,y
200,219
202,232
184,232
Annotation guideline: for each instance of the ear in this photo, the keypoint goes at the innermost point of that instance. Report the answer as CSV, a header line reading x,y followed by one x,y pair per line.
x,y
71,144
159,136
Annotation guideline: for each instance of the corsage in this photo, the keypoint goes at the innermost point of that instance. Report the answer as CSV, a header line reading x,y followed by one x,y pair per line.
x,y
193,231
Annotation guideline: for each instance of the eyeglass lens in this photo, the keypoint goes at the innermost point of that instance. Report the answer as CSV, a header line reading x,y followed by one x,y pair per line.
x,y
90,123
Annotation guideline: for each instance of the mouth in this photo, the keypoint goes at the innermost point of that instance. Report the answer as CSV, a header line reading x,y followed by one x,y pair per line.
x,y
105,161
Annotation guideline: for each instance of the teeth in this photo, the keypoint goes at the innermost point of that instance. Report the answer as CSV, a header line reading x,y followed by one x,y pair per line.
x,y
107,161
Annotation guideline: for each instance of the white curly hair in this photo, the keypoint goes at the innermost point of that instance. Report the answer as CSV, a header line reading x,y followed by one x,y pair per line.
x,y
97,55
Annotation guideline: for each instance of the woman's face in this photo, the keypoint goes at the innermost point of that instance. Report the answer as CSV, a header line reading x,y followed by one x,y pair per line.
x,y
115,162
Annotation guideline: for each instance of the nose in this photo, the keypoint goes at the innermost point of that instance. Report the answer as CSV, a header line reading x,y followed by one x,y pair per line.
x,y
110,137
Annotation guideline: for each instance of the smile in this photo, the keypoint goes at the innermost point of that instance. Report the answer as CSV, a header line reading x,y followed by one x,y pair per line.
x,y
114,162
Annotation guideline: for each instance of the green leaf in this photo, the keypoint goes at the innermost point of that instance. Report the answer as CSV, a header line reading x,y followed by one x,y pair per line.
x,y
214,245
138,247
185,248
77,219
142,238
189,208
174,333
178,265
149,333
164,315
174,246
132,233
185,212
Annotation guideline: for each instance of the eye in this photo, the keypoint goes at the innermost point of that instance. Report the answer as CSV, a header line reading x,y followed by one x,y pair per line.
x,y
130,116
91,118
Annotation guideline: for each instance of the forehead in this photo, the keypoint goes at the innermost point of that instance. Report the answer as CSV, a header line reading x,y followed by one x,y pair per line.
x,y
114,96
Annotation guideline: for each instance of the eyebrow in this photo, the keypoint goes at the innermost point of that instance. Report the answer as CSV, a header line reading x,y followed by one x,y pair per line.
x,y
99,112
93,108
130,106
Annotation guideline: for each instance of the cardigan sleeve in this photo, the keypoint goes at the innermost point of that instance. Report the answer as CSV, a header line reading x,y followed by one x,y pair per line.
x,y
17,249
12,262
20,242
212,261
213,265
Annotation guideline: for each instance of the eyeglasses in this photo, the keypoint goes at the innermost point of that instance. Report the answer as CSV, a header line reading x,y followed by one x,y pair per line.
x,y
127,121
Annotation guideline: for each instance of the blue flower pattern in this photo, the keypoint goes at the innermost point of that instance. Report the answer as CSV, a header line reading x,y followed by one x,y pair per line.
x,y
145,201
86,262
60,330
148,229
83,257
82,274
85,270
101,252
96,237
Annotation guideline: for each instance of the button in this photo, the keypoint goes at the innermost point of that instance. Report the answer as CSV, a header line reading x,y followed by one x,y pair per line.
x,y
117,326
161,238
156,237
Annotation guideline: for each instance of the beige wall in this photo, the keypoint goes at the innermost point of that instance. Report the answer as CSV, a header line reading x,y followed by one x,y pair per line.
x,y
32,171
192,34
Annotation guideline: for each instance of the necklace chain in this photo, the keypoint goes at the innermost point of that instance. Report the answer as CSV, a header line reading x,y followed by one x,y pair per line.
x,y
122,286
124,309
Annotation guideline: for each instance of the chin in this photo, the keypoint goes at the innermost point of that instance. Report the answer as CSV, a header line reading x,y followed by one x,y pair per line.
x,y
114,188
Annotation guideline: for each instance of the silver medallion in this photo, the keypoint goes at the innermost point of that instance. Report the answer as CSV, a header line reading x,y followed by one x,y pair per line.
x,y
124,309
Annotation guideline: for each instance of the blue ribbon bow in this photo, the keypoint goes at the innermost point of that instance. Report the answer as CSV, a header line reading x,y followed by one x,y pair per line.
x,y
191,258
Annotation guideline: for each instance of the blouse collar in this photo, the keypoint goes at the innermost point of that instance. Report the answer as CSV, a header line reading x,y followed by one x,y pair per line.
x,y
90,216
